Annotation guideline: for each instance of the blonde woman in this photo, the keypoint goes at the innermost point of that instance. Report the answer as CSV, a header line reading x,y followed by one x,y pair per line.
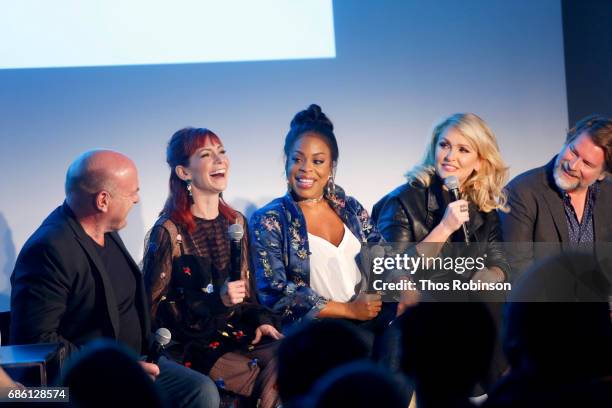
x,y
422,211
422,216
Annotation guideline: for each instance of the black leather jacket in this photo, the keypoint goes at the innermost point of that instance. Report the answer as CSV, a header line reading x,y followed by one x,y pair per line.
x,y
408,214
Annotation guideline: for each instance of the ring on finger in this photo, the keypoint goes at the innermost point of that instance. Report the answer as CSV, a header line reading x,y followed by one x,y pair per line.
x,y
463,208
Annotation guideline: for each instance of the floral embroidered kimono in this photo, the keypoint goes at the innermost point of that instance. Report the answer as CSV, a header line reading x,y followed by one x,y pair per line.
x,y
280,253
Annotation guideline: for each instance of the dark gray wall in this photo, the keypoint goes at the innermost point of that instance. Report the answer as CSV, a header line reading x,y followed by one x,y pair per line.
x,y
587,32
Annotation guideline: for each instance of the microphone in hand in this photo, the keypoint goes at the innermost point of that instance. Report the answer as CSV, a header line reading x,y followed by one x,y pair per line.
x,y
452,184
162,338
235,232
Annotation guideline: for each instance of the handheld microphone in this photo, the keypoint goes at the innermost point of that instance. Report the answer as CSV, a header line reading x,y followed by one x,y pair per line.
x,y
235,232
452,183
162,338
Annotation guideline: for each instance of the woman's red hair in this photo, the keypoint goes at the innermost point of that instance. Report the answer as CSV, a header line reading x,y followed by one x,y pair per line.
x,y
182,145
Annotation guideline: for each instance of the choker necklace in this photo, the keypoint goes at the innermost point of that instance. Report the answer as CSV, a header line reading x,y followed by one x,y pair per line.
x,y
311,200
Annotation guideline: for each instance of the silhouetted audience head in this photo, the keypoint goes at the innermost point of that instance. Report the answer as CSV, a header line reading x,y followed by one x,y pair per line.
x,y
557,337
557,321
446,350
106,374
313,349
361,384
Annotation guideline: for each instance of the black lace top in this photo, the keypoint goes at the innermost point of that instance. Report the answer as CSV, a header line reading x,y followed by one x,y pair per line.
x,y
184,274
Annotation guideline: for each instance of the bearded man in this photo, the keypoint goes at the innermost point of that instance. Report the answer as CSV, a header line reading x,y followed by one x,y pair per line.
x,y
567,201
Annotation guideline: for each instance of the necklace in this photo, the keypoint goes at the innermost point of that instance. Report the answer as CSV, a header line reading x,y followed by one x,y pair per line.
x,y
311,200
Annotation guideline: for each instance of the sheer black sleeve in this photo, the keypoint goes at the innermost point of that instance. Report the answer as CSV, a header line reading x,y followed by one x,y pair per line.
x,y
157,266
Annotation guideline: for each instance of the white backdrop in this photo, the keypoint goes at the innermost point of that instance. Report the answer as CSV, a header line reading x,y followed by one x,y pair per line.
x,y
400,67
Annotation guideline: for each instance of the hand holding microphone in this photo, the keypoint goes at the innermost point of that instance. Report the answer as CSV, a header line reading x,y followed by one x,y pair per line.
x,y
235,232
234,291
150,369
365,306
457,213
162,338
455,216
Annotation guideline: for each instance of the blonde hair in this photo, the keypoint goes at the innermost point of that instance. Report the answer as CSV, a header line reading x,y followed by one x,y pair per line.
x,y
483,187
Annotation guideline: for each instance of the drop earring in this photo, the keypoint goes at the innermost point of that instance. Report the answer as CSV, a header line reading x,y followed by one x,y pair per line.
x,y
330,187
188,182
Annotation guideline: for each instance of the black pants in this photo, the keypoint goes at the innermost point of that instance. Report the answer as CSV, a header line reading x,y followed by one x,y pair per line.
x,y
373,330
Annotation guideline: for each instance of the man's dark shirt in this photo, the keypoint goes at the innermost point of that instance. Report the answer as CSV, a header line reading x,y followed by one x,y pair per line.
x,y
581,232
124,286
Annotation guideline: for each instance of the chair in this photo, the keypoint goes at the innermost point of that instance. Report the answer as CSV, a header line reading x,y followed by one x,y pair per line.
x,y
5,327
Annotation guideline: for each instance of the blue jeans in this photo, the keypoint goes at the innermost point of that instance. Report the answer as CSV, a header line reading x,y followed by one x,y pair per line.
x,y
185,388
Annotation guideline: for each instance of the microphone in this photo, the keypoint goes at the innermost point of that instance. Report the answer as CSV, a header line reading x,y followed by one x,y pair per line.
x,y
236,232
162,338
452,184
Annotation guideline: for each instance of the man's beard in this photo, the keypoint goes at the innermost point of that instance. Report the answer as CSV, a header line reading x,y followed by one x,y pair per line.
x,y
562,179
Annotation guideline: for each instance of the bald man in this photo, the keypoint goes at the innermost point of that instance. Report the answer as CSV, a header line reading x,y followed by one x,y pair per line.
x,y
74,281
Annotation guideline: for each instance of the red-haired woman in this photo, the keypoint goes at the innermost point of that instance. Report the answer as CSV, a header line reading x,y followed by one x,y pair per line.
x,y
219,328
